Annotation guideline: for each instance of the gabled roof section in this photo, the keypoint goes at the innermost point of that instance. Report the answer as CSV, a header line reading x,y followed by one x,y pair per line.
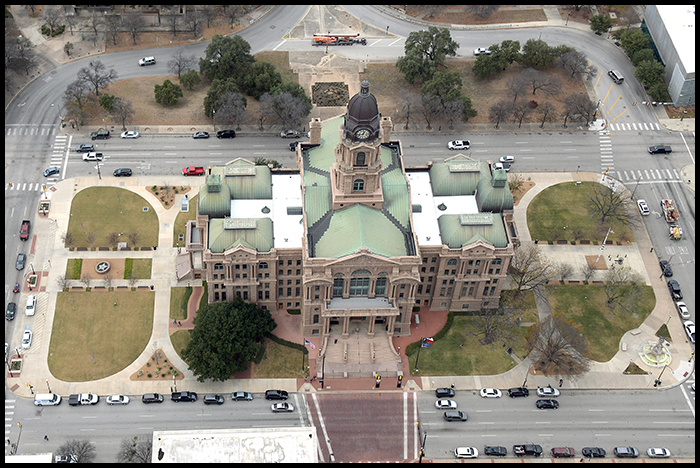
x,y
458,231
254,233
245,180
214,198
493,194
458,175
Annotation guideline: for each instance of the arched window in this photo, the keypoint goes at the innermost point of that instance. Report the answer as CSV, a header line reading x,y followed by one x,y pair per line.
x,y
358,185
262,266
359,283
452,262
360,159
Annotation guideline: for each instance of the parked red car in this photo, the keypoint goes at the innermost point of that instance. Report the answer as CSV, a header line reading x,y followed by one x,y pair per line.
x,y
192,170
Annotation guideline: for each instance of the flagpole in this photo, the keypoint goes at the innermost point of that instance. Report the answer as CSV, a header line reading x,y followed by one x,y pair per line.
x,y
602,247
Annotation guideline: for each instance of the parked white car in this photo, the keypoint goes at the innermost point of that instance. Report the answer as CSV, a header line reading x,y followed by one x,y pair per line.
x,y
26,339
490,393
130,134
458,145
482,51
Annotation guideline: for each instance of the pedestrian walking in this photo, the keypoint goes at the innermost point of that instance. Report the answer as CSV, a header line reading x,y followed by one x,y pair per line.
x,y
46,437
179,324
174,321
9,441
561,382
652,249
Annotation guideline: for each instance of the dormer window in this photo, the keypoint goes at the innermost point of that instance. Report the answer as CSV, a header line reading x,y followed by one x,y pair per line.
x,y
358,185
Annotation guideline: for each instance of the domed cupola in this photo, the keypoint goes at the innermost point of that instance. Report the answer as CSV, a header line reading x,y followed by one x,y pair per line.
x,y
362,118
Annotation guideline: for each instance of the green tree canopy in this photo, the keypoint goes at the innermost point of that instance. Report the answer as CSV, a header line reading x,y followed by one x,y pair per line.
x,y
226,338
168,92
226,57
217,89
189,79
601,23
649,72
445,85
633,40
538,54
106,101
262,78
642,55
425,51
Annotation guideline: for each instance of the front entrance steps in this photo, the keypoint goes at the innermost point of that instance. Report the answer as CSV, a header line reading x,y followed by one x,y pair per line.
x,y
360,356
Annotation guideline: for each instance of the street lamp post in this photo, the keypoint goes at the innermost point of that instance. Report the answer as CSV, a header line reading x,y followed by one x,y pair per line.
x,y
18,437
47,385
415,368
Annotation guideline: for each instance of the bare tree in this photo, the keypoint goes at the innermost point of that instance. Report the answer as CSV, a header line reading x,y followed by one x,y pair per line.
x,y
408,109
558,346
430,108
132,279
135,450
52,17
539,80
574,62
564,271
209,12
607,205
62,282
19,54
90,238
113,239
233,13
123,110
107,278
68,239
80,451
97,75
494,325
579,107
94,21
112,23
172,21
133,238
500,111
547,111
451,111
181,63
71,21
85,279
529,269
285,109
623,288
516,84
587,272
194,20
482,10
231,109
134,25
520,110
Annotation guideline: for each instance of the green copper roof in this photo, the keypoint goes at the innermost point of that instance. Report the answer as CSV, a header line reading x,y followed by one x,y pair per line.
x,y
457,231
458,175
214,198
245,180
255,233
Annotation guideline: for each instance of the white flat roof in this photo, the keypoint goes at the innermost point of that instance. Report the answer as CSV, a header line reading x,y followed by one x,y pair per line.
x,y
680,24
288,230
425,223
264,445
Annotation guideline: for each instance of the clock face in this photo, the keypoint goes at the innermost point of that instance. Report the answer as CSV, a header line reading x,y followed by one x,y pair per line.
x,y
362,134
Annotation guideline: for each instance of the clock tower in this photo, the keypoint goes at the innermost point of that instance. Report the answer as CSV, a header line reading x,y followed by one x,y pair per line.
x,y
356,173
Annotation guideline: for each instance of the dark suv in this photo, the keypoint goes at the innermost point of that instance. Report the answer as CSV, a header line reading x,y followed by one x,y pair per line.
x,y
675,290
518,391
226,134
10,312
660,149
183,396
276,395
444,392
547,404
152,398
213,400
122,172
85,147
626,452
495,451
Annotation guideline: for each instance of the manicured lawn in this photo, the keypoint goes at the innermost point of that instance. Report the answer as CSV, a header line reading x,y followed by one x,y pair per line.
x,y
446,357
102,210
178,302
280,362
181,221
586,305
141,268
73,268
180,339
92,338
559,212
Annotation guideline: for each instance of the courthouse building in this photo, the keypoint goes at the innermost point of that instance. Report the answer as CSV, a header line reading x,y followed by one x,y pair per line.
x,y
352,238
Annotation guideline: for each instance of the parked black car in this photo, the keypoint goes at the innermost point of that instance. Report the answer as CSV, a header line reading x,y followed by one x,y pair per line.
x,y
495,451
276,395
660,149
152,398
183,396
444,392
123,172
518,391
225,134
666,268
675,290
11,309
547,404
593,452
85,147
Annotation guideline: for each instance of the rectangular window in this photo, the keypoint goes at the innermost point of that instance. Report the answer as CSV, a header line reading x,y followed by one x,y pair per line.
x,y
433,260
420,289
447,272
497,261
289,262
471,291
359,286
314,332
280,273
298,272
427,289
425,259
380,288
478,262
260,296
338,287
422,270
289,272
498,271
316,318
289,292
442,292
432,269
297,292
267,294
280,292
298,262
490,271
